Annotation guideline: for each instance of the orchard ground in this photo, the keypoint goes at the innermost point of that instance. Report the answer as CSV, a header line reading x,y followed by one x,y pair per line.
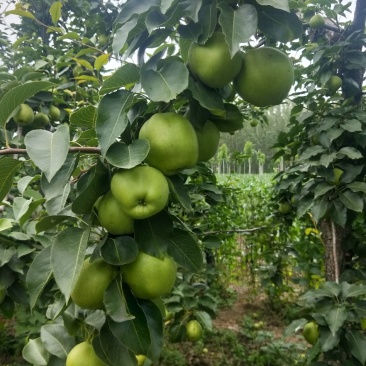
x,y
254,306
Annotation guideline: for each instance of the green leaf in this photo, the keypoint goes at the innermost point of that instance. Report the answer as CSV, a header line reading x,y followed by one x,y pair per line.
x,y
20,207
133,334
8,168
320,208
16,96
112,117
101,61
6,255
280,25
56,340
69,35
350,152
357,186
120,250
35,352
153,234
155,324
5,224
125,156
110,350
179,192
85,117
55,11
335,317
84,63
238,25
115,302
207,97
92,185
126,76
352,125
311,151
204,319
352,201
21,13
32,207
351,290
48,150
278,4
295,326
49,222
338,213
185,250
57,185
121,35
163,82
38,275
357,345
328,340
321,189
67,256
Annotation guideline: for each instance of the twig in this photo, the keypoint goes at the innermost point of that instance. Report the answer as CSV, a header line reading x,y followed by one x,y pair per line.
x,y
83,149
233,231
335,257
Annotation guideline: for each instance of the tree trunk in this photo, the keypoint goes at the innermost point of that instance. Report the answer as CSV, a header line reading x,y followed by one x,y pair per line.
x,y
332,236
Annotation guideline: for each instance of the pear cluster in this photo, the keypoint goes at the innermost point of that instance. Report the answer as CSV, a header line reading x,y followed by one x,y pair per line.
x,y
25,116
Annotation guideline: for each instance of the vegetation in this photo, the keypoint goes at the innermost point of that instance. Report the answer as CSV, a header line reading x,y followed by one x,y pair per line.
x,y
113,221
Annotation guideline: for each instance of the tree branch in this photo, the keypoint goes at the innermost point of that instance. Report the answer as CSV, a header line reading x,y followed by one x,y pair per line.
x,y
73,149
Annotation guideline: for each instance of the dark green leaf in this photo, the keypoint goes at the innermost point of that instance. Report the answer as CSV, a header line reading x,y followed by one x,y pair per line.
x,y
335,317
126,76
133,334
164,82
338,213
179,192
357,186
39,273
112,117
153,234
350,152
278,4
8,168
49,222
238,25
115,302
278,24
119,251
111,351
155,324
185,250
125,156
357,345
352,290
94,185
295,326
85,117
67,256
204,318
352,125
327,340
352,201
321,189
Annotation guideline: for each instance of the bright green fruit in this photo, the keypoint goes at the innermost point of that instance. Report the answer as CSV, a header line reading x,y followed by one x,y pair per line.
x,y
333,84
140,360
173,142
337,175
284,207
194,331
254,122
142,191
24,116
112,217
150,277
41,120
212,63
363,323
83,354
208,141
266,77
311,332
102,39
93,280
231,122
54,113
316,21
